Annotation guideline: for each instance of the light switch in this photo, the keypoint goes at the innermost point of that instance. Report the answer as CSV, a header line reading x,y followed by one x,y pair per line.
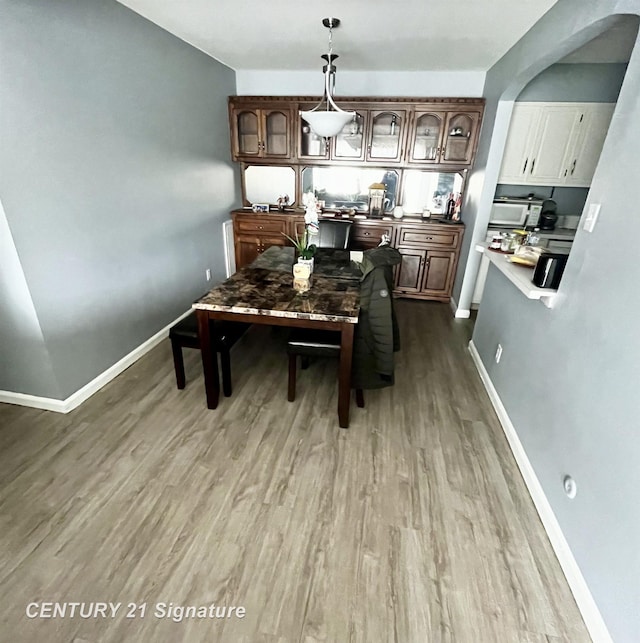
x,y
592,217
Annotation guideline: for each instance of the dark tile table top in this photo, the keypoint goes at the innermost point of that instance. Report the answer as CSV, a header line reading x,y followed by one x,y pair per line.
x,y
266,288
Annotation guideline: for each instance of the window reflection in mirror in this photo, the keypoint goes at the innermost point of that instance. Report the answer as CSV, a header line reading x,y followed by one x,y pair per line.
x,y
429,190
267,183
348,187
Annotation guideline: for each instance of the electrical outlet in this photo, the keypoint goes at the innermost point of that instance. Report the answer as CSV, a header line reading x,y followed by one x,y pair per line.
x,y
498,353
570,487
207,274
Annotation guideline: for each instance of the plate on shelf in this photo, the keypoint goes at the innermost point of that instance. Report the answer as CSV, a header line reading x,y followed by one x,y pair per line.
x,y
522,261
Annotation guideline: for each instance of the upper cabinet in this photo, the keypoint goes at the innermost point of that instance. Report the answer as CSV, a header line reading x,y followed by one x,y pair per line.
x,y
425,137
427,133
260,132
554,143
348,145
444,136
460,135
584,154
386,136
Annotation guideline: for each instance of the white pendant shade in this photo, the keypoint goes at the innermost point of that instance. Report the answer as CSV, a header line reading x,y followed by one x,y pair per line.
x,y
327,123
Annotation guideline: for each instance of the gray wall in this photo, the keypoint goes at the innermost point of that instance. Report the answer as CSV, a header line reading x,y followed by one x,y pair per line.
x,y
576,83
568,376
115,176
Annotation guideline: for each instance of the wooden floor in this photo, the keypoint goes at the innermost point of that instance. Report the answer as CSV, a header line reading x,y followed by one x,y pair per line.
x,y
412,526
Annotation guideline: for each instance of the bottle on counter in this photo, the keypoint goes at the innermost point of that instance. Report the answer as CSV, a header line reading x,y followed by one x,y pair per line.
x,y
451,204
533,238
457,206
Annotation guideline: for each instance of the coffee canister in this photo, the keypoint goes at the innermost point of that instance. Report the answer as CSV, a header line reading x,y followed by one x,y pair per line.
x,y
549,269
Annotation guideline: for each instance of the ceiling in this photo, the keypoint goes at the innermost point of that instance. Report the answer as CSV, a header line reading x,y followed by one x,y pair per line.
x,y
412,35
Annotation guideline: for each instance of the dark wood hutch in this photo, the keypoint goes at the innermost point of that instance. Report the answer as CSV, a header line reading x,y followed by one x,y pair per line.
x,y
400,134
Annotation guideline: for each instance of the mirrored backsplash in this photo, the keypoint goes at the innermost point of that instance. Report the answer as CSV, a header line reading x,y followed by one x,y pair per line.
x,y
267,183
429,190
347,188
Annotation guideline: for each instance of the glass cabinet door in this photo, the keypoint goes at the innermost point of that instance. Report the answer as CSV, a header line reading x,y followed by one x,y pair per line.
x,y
426,137
460,136
386,136
349,143
310,145
248,133
276,133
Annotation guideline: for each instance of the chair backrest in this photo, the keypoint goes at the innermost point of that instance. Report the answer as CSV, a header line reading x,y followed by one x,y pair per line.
x,y
334,234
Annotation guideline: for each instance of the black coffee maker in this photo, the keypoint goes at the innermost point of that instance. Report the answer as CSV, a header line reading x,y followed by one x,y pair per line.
x,y
548,216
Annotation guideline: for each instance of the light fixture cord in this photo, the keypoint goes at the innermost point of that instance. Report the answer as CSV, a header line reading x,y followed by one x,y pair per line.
x,y
329,77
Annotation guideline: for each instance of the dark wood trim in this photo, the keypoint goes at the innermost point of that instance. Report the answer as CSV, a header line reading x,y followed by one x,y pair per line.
x,y
209,360
344,378
378,100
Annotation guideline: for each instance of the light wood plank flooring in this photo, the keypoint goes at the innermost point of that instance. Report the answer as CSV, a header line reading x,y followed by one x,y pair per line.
x,y
412,526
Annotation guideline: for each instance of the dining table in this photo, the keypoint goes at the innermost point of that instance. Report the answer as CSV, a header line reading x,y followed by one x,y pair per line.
x,y
263,293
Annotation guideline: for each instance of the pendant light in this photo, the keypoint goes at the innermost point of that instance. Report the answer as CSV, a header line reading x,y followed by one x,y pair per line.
x,y
328,122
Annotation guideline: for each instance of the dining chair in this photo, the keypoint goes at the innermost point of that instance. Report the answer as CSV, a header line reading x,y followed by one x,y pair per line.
x,y
376,334
334,233
312,343
224,335
308,343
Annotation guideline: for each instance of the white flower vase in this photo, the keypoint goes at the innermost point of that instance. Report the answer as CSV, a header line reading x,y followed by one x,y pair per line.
x,y
306,262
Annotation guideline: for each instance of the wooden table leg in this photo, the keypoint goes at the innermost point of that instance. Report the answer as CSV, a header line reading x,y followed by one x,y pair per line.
x,y
209,361
344,382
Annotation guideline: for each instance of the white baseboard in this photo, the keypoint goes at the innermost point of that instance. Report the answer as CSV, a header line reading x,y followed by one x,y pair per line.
x,y
459,313
77,398
587,606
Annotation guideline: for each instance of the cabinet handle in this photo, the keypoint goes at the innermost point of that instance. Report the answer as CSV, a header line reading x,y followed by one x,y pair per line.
x,y
428,238
573,166
524,169
366,234
260,227
533,163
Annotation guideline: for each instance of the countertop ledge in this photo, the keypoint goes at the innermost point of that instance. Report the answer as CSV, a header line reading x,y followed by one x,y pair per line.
x,y
360,216
519,276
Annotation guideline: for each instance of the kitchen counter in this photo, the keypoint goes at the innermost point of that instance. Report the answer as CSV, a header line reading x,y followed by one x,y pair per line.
x,y
519,276
362,216
567,234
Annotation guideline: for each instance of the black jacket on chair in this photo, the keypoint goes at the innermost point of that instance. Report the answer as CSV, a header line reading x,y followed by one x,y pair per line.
x,y
376,334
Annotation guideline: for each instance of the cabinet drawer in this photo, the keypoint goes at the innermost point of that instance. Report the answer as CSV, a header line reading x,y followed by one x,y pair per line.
x,y
365,237
253,225
425,238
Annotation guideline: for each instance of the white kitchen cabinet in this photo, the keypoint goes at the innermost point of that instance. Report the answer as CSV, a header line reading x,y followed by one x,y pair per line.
x,y
520,140
585,154
554,143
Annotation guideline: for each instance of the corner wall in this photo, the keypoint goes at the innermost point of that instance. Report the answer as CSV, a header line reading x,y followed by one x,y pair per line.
x,y
568,375
115,174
